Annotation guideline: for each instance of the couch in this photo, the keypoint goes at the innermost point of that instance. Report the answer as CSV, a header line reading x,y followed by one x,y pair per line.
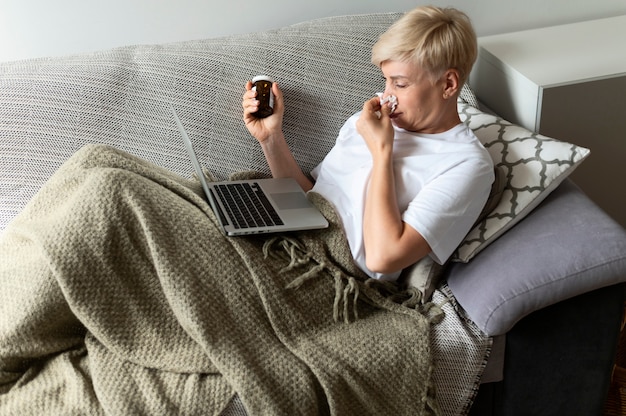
x,y
537,284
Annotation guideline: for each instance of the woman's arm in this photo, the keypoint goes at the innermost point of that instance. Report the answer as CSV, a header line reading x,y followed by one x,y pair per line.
x,y
390,244
268,132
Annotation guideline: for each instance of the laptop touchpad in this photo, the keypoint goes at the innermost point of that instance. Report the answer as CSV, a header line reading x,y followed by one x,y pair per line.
x,y
291,200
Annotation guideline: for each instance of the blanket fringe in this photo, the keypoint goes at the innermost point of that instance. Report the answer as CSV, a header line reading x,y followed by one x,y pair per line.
x,y
347,288
410,297
289,249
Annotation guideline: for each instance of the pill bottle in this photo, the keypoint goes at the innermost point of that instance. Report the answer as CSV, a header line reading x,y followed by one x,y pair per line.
x,y
263,88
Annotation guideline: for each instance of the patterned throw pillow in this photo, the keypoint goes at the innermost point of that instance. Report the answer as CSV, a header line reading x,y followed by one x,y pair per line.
x,y
534,166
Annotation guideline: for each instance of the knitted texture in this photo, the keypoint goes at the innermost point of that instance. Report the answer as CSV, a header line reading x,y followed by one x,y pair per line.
x,y
135,303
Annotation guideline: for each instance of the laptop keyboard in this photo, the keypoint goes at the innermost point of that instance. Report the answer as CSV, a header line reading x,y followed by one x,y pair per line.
x,y
247,205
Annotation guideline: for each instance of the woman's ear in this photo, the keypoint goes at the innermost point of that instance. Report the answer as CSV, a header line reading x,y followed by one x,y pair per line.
x,y
451,83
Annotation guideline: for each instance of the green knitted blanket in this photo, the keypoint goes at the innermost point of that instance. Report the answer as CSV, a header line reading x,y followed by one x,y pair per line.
x,y
119,295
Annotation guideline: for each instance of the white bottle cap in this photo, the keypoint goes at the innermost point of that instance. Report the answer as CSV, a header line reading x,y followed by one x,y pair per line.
x,y
262,78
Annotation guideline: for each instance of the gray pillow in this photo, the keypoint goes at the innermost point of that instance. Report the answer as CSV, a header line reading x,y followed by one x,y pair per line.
x,y
566,247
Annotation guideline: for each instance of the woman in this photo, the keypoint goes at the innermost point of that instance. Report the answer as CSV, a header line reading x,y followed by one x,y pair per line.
x,y
409,180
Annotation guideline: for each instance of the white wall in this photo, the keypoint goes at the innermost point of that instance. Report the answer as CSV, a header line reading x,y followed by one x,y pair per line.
x,y
36,28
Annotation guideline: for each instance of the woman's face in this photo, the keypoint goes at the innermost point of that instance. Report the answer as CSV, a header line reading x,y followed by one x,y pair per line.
x,y
421,104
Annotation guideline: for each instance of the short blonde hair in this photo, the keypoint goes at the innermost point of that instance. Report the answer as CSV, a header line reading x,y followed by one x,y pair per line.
x,y
436,39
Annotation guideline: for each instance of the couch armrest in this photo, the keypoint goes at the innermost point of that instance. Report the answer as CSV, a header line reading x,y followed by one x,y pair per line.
x,y
567,246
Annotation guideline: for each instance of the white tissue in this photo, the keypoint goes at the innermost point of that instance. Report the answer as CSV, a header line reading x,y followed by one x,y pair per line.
x,y
391,99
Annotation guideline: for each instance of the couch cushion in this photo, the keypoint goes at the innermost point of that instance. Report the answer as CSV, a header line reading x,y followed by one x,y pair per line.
x,y
533,164
567,248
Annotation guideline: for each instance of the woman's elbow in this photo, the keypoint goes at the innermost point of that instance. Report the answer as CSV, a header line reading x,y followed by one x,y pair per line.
x,y
381,264
392,261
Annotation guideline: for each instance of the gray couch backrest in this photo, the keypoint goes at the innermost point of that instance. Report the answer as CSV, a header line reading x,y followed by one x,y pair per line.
x,y
49,108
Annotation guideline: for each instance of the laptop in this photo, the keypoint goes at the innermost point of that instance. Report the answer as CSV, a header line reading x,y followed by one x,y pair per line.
x,y
256,206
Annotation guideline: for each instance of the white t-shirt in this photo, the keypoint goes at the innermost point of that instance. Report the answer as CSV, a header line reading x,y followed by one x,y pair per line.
x,y
442,183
